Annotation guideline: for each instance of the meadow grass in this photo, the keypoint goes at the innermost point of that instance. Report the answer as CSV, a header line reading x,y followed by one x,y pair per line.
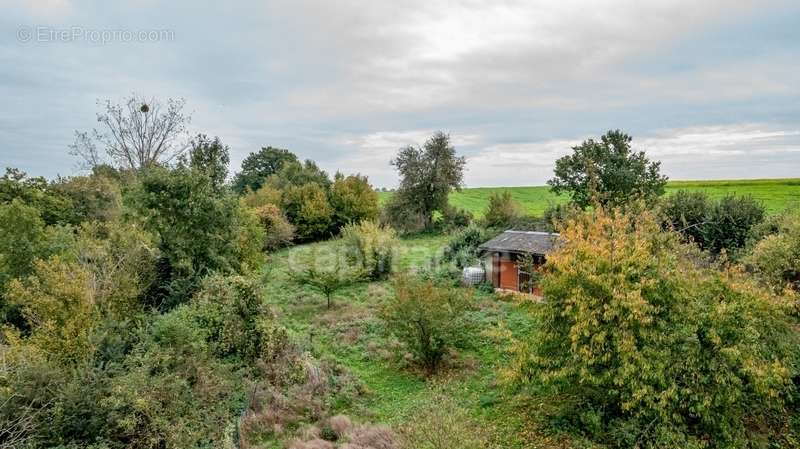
x,y
352,334
775,194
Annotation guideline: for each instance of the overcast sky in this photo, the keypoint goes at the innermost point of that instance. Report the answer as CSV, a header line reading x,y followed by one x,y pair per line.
x,y
710,88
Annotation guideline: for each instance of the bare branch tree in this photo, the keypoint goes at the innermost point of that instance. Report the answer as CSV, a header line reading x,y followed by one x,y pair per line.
x,y
136,133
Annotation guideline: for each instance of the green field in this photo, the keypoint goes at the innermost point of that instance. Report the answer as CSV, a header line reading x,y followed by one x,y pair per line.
x,y
775,194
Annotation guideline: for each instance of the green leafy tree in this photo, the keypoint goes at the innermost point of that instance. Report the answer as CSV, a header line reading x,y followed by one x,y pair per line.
x,y
197,226
608,172
644,348
295,174
327,281
93,198
257,167
353,200
22,236
36,192
502,210
427,175
429,319
211,157
308,209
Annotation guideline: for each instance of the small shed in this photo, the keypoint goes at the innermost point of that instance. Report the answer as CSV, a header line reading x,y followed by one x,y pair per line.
x,y
501,257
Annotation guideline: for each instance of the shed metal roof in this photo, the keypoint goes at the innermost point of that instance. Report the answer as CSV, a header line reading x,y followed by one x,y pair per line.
x,y
529,242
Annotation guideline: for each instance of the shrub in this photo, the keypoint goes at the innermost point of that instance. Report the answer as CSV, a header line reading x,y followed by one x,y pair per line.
x,y
643,348
462,247
442,424
278,232
401,214
371,246
502,210
58,304
729,222
232,312
428,319
687,213
454,218
353,200
775,259
172,392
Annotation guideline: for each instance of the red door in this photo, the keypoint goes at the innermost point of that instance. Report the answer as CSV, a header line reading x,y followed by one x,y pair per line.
x,y
509,278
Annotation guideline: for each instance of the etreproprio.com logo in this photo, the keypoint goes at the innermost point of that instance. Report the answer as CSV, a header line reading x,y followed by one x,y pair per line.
x,y
46,34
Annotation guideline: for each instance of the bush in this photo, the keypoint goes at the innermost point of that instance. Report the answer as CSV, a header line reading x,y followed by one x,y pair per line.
x,y
729,222
775,259
353,200
462,247
402,215
442,424
278,232
430,320
454,218
172,392
371,246
232,312
642,348
687,212
502,210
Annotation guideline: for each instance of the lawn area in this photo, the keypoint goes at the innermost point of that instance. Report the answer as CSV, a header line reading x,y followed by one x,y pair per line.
x,y
775,194
352,335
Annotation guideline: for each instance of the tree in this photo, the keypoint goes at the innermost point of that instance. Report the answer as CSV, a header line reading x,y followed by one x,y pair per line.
x,y
607,172
308,209
353,200
257,167
211,157
53,206
429,319
197,228
294,173
327,281
137,133
644,347
502,210
427,175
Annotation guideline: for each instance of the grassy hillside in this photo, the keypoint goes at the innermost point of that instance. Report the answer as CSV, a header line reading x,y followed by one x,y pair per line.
x,y
776,194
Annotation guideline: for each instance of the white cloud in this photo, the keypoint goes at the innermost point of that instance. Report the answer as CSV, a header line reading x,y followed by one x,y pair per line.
x,y
686,153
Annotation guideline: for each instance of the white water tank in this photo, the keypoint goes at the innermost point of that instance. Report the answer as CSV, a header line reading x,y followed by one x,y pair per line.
x,y
473,275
